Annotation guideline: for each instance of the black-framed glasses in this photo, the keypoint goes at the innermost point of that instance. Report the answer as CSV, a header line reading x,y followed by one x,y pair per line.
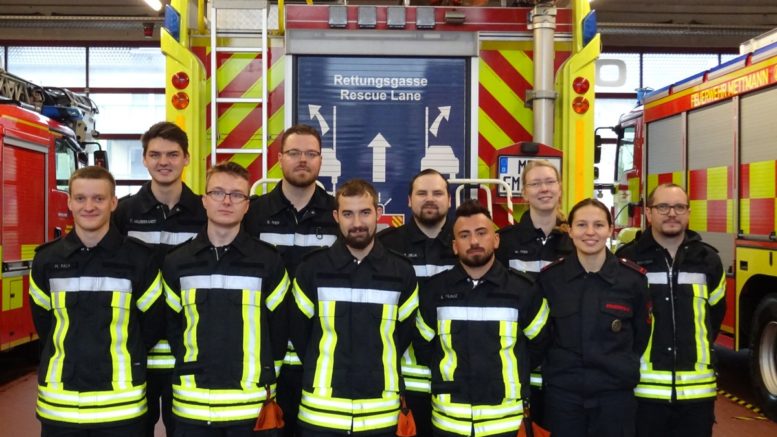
x,y
234,197
296,154
663,208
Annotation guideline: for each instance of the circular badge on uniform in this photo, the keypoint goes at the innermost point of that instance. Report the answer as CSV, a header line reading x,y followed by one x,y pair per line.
x,y
616,325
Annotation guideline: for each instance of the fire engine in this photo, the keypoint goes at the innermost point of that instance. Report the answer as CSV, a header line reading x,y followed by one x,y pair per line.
x,y
473,92
44,136
714,134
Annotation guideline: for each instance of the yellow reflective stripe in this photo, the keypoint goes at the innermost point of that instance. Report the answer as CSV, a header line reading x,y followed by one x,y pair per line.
x,y
719,291
688,377
119,328
252,337
418,385
389,355
276,296
151,294
645,362
355,406
303,303
443,423
410,305
277,364
425,330
291,359
91,398
217,413
535,379
539,321
699,319
508,333
510,407
697,392
172,299
498,426
700,391
376,421
78,415
222,396
324,420
161,347
653,392
166,362
322,379
39,296
192,317
61,326
449,360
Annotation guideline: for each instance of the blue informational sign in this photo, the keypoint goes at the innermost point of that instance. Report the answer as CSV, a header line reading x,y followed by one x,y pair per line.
x,y
385,119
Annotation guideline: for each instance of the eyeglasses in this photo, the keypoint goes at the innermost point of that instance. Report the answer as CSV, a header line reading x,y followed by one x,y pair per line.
x,y
538,184
663,208
296,154
234,197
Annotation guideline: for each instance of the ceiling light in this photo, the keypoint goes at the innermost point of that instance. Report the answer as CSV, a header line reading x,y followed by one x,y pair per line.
x,y
154,4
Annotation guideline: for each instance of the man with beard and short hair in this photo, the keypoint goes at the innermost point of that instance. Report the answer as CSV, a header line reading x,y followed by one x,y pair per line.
x,y
354,315
677,388
426,242
296,217
491,315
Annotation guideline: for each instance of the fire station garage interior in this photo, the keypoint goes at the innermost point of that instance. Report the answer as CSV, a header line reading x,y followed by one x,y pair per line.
x,y
633,93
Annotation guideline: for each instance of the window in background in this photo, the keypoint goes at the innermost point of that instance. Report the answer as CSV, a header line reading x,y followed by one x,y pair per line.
x,y
126,67
126,158
662,69
2,58
36,64
617,73
128,113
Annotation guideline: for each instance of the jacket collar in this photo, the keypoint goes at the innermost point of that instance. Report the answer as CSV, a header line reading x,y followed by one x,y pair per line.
x,y
242,242
417,235
278,202
341,256
111,242
146,200
494,275
609,271
648,243
526,231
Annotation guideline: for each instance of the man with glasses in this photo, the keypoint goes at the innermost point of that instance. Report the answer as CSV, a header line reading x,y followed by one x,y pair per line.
x,y
296,217
677,388
226,319
163,213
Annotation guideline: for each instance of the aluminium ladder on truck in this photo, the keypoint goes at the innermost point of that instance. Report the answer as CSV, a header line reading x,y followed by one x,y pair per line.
x,y
244,24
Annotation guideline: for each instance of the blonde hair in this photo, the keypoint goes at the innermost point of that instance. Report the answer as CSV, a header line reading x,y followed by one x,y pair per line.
x,y
561,218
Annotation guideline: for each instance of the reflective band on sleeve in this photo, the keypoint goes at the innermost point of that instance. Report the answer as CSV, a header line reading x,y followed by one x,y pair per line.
x,y
322,378
410,305
91,283
39,296
387,325
299,240
162,237
61,327
691,278
120,357
539,321
717,294
449,360
276,296
528,266
151,294
358,295
303,302
425,330
478,314
700,325
172,299
658,278
221,282
252,338
508,335
192,320
425,271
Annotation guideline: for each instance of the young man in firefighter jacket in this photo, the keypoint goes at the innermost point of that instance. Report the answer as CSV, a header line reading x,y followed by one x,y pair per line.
x,y
426,242
355,309
163,213
677,388
97,307
296,217
226,321
481,319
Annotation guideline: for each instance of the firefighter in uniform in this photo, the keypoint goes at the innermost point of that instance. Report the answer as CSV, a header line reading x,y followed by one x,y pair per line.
x,y
600,326
296,217
163,213
226,321
536,241
355,313
480,318
677,388
426,242
97,307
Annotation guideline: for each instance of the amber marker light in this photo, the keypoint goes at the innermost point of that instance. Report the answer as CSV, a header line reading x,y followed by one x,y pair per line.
x,y
180,100
180,80
581,85
580,105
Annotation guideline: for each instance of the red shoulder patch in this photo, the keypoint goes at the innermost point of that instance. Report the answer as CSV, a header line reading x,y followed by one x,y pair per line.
x,y
632,265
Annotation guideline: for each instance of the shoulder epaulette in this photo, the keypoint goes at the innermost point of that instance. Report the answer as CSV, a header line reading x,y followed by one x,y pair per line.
x,y
264,243
388,231
710,246
138,242
632,265
522,274
553,264
626,245
400,255
48,243
314,252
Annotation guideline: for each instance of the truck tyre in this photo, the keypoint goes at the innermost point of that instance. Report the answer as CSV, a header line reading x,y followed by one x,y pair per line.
x,y
763,354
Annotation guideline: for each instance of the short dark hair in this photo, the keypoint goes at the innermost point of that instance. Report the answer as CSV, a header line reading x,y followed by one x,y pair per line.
x,y
652,194
471,207
300,129
354,188
424,172
92,172
168,131
590,202
230,168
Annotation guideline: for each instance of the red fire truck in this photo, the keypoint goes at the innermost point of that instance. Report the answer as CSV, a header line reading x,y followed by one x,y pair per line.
x,y
714,133
37,155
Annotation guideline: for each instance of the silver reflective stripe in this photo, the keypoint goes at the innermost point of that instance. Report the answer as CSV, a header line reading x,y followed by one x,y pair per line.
x,y
478,314
223,282
302,240
430,270
528,266
657,278
91,283
358,295
691,278
162,237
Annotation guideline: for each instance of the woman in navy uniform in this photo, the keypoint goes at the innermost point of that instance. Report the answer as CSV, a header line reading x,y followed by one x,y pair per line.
x,y
600,326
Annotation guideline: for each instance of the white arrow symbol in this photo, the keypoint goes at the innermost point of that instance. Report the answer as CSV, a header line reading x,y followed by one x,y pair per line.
x,y
445,112
314,114
379,146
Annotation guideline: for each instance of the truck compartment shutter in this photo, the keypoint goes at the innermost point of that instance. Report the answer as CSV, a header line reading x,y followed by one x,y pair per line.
x,y
758,129
665,145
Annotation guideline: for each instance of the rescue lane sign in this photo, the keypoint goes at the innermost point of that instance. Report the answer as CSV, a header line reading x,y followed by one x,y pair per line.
x,y
385,119
511,170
